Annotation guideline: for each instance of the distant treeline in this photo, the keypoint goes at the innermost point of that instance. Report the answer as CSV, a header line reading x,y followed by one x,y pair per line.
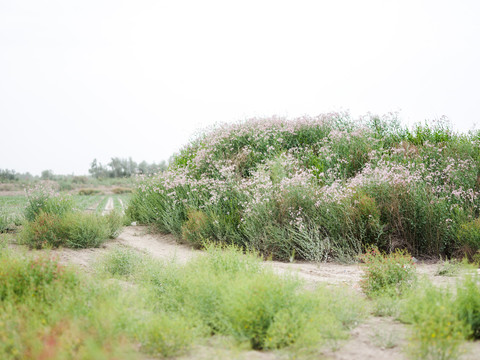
x,y
116,168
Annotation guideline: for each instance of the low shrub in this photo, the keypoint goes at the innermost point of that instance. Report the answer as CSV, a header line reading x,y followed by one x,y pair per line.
x,y
89,191
84,230
395,271
46,230
22,279
121,190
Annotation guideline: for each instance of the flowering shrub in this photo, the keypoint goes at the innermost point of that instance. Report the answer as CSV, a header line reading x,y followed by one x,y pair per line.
x,y
318,187
43,198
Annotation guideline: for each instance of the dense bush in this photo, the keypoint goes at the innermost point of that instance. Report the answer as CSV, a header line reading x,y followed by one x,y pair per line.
x,y
317,188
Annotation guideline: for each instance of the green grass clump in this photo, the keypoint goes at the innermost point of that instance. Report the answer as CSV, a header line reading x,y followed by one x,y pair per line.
x,y
121,262
88,191
166,335
442,319
121,190
392,273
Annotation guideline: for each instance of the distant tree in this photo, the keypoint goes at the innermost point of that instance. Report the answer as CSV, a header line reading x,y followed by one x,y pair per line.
x,y
120,167
97,170
47,175
8,175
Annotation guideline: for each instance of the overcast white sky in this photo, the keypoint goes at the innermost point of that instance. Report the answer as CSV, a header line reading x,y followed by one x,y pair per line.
x,y
100,78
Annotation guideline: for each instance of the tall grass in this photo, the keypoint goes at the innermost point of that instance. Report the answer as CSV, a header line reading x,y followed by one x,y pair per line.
x,y
323,187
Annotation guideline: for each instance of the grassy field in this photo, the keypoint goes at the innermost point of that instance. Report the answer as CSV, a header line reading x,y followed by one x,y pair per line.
x,y
13,204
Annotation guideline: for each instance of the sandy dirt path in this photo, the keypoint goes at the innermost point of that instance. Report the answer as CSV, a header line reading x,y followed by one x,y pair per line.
x,y
109,206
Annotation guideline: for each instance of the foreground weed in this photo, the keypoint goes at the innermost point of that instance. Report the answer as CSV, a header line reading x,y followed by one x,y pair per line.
x,y
438,332
48,311
166,335
387,273
467,303
121,262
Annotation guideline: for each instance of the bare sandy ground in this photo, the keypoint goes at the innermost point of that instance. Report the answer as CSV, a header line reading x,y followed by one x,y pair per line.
x,y
376,338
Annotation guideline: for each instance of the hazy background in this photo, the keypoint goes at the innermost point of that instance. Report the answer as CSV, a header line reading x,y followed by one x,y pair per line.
x,y
96,79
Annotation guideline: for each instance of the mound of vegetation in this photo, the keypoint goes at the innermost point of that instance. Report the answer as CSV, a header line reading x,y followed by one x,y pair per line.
x,y
322,187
